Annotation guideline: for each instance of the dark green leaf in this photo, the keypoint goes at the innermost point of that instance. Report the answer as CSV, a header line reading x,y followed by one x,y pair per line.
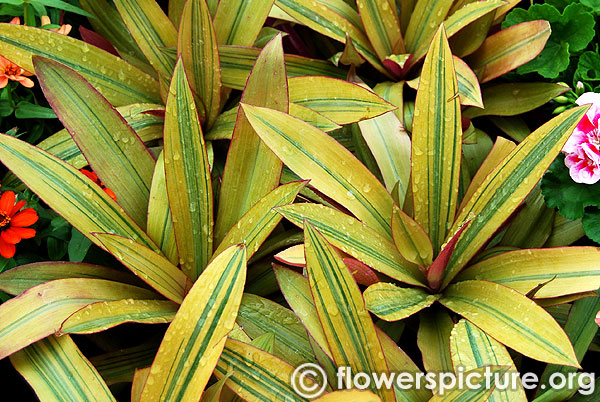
x,y
561,191
593,4
56,248
571,32
78,246
591,223
63,5
27,110
588,67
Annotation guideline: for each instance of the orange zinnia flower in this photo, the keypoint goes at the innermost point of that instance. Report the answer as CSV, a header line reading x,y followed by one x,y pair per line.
x,y
10,71
13,223
94,177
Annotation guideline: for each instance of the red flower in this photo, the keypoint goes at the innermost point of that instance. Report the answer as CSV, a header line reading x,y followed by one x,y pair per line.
x,y
94,177
13,223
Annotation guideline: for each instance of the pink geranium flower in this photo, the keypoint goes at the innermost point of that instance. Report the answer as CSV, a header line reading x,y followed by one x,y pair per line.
x,y
583,147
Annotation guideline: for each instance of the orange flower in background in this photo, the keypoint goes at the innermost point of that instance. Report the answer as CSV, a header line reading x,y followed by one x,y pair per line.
x,y
13,223
63,30
10,71
94,177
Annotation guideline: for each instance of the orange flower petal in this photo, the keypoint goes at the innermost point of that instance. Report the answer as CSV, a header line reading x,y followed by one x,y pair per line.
x,y
26,82
91,175
24,218
3,81
64,29
110,193
6,250
17,207
23,233
16,21
4,62
10,236
7,202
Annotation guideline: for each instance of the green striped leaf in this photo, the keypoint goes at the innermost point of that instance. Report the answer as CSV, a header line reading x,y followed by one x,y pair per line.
x,y
399,362
101,316
410,239
424,21
393,92
564,232
509,48
225,123
478,392
507,186
472,348
348,328
500,150
58,371
237,62
566,270
238,22
119,365
436,143
468,85
349,395
313,117
69,192
352,237
139,381
581,329
314,155
194,340
213,393
260,220
197,46
259,316
108,23
174,11
324,20
464,16
223,127
252,170
382,27
468,39
296,290
392,303
390,145
345,9
152,31
115,152
515,98
160,222
256,375
433,339
40,311
512,319
151,267
469,91
187,173
119,82
17,280
340,101
147,126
